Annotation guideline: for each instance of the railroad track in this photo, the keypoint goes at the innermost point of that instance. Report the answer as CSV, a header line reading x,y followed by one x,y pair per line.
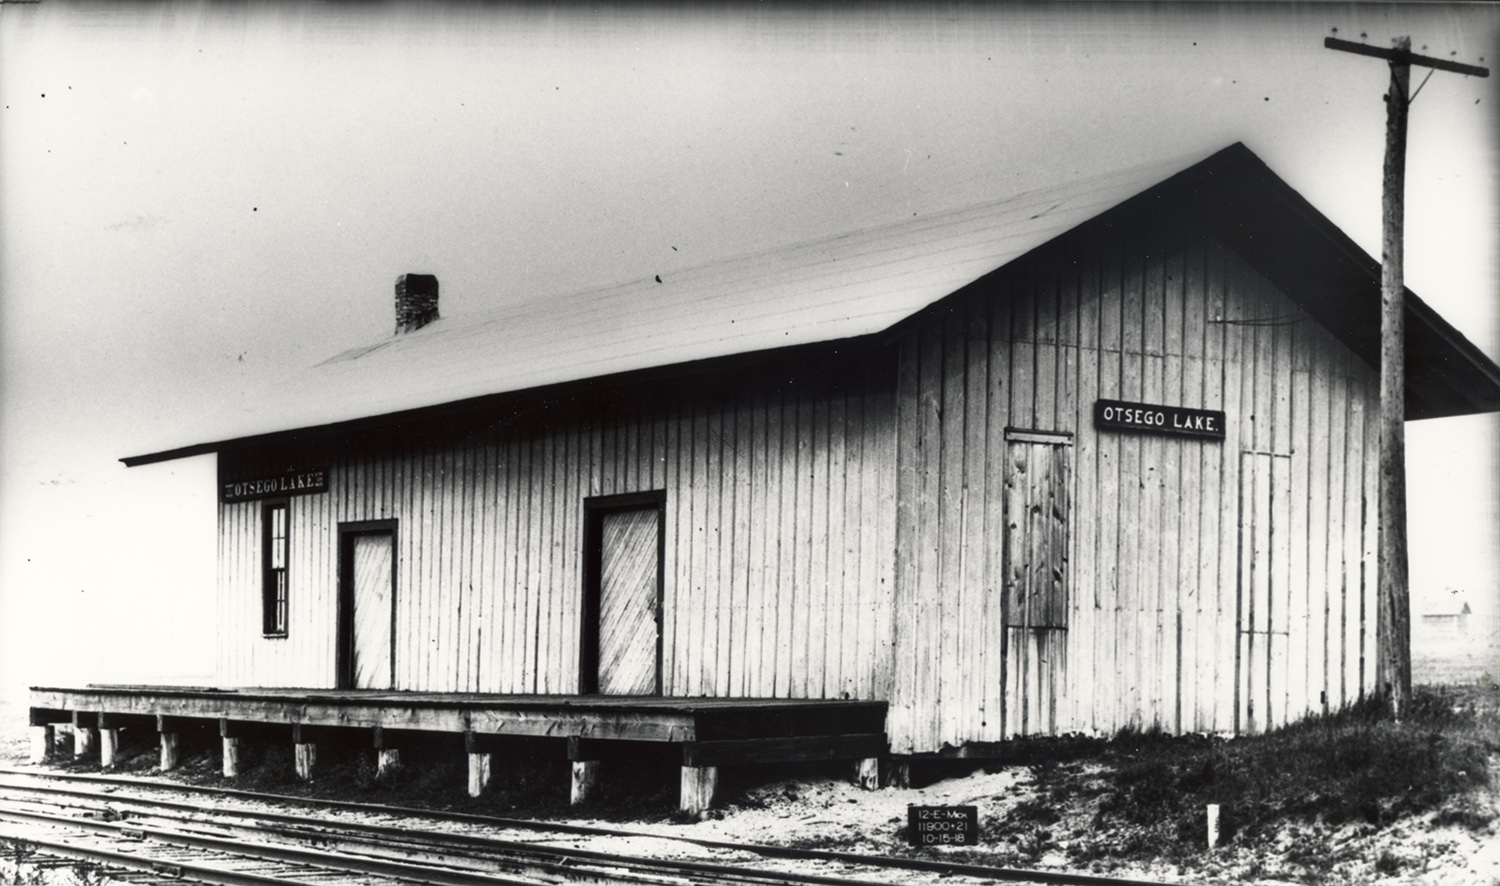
x,y
155,832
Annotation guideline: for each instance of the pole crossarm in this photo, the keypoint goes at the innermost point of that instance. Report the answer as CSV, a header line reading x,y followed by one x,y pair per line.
x,y
1404,56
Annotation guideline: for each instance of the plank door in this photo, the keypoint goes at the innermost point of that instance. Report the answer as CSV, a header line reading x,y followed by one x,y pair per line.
x,y
622,642
1261,682
367,610
1038,520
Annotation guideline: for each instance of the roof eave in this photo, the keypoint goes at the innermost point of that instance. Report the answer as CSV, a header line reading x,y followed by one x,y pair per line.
x,y
446,413
1436,387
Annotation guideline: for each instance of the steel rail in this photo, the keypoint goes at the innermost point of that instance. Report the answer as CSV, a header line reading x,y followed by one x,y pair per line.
x,y
482,853
988,872
561,861
311,857
173,870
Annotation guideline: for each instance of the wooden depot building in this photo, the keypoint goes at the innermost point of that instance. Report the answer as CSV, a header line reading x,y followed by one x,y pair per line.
x,y
1093,457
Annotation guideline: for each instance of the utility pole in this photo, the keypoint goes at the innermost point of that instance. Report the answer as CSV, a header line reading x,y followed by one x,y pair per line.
x,y
1393,619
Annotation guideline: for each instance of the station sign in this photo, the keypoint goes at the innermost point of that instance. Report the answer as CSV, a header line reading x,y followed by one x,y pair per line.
x,y
266,486
1149,418
942,825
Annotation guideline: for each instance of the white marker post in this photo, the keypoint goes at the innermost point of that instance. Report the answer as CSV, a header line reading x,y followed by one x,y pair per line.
x,y
1213,825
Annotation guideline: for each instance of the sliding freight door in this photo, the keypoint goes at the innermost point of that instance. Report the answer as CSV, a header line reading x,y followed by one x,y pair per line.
x,y
1037,524
1265,591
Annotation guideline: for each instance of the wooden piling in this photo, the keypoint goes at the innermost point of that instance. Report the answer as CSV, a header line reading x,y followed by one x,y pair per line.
x,y
898,774
867,773
42,738
479,773
230,734
109,747
305,754
698,786
585,774
85,741
62,740
387,763
169,742
171,750
232,752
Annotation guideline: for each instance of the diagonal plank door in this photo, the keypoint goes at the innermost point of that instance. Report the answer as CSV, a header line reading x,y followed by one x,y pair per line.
x,y
628,581
371,620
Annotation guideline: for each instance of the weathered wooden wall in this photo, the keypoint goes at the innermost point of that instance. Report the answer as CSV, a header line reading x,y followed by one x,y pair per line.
x,y
780,527
827,539
1213,586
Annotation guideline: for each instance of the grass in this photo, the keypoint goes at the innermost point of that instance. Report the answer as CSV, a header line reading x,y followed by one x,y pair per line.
x,y
1144,795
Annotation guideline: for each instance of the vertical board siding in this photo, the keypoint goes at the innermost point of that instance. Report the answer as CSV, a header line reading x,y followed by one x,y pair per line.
x,y
849,539
1212,586
779,539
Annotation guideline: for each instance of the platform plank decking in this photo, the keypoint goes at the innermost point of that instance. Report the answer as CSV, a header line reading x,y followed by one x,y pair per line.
x,y
797,724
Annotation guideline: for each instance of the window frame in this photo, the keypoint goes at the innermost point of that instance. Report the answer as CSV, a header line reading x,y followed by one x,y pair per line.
x,y
275,581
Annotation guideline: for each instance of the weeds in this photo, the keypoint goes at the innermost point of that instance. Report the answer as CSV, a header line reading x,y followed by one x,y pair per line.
x,y
1388,863
1353,766
1034,811
88,874
17,853
20,850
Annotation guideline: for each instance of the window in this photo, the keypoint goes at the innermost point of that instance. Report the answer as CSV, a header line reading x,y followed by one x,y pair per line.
x,y
273,572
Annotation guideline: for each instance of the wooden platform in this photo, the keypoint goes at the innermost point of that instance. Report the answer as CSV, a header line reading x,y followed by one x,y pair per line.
x,y
711,730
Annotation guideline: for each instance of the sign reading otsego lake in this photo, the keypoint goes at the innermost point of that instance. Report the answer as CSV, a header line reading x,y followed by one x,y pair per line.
x,y
1147,418
289,483
942,825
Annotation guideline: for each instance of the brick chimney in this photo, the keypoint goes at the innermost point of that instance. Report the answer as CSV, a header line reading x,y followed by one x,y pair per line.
x,y
416,301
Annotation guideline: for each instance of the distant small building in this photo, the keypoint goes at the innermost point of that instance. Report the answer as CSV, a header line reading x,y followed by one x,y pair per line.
x,y
1448,620
1093,457
1453,644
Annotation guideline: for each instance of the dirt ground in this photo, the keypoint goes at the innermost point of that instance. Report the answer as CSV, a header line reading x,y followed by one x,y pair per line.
x,y
826,813
1023,825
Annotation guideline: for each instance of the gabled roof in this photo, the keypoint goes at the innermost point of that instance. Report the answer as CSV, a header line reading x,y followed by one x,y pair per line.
x,y
849,287
1296,247
1447,607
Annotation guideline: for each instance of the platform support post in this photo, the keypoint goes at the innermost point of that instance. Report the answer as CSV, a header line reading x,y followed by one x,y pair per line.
x,y
85,736
479,773
387,756
584,754
170,742
62,740
304,750
305,754
232,748
698,786
899,774
867,773
171,750
109,747
585,774
42,738
387,763
232,752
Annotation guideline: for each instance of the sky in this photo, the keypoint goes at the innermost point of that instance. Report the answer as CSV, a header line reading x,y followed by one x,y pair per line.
x,y
197,199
